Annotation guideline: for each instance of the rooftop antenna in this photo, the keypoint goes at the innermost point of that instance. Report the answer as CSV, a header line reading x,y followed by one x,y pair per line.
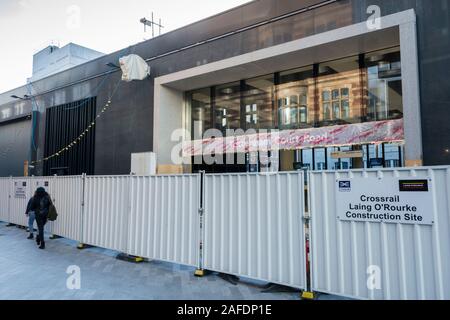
x,y
151,23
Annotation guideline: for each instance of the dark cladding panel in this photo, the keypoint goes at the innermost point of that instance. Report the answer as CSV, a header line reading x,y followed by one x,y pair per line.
x,y
126,128
434,52
64,124
15,139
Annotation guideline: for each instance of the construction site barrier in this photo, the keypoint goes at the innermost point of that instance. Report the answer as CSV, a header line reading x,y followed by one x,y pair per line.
x,y
254,227
371,234
164,218
403,255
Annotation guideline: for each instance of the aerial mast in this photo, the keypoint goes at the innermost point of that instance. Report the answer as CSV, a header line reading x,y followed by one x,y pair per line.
x,y
151,23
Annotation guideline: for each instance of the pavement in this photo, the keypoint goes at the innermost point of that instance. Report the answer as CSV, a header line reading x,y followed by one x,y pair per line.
x,y
28,273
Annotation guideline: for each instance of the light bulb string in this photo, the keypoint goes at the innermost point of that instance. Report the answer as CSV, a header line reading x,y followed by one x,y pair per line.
x,y
85,132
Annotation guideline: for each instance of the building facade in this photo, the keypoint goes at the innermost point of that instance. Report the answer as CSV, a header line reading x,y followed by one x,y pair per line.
x,y
342,87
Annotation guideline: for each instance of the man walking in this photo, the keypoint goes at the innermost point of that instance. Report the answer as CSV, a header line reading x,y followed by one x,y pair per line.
x,y
40,205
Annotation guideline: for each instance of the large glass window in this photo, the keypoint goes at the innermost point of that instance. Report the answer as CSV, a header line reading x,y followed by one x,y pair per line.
x,y
295,98
339,88
227,106
258,103
362,88
384,85
200,102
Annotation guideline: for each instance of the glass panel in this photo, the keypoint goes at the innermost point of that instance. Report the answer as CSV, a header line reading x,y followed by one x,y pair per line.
x,y
384,75
392,155
365,157
228,106
295,96
333,164
327,111
326,95
303,115
335,94
375,152
345,109
320,159
200,103
307,155
258,96
346,163
341,80
336,110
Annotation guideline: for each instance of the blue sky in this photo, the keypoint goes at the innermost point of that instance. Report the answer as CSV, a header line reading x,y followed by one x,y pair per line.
x,y
27,26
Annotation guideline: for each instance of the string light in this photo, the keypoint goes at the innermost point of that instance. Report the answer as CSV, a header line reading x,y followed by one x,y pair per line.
x,y
82,135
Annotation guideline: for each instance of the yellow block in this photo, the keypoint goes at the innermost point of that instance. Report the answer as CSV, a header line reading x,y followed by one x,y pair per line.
x,y
199,273
308,295
170,169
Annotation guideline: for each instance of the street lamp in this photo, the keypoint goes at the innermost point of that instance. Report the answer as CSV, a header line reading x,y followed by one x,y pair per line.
x,y
26,97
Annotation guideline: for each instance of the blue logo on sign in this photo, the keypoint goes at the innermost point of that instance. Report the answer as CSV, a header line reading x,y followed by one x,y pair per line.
x,y
345,186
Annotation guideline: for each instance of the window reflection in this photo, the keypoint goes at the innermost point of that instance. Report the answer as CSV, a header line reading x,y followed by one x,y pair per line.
x,y
384,85
339,88
320,159
295,98
200,102
307,157
227,106
331,93
333,163
345,163
258,103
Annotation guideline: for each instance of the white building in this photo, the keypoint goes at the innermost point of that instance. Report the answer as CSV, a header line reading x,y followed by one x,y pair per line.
x,y
53,59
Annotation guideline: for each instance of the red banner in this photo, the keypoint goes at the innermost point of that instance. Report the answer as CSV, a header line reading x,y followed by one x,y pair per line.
x,y
351,134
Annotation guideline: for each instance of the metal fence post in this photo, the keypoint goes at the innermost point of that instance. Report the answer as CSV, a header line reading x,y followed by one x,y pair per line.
x,y
83,201
200,272
308,294
9,200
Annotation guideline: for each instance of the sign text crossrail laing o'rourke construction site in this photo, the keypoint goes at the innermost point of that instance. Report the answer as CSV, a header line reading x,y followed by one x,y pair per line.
x,y
399,201
371,206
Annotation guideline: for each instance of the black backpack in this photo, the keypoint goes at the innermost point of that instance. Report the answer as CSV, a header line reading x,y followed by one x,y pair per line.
x,y
52,213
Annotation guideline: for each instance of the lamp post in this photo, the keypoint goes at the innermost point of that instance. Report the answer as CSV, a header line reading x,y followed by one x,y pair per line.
x,y
24,98
27,166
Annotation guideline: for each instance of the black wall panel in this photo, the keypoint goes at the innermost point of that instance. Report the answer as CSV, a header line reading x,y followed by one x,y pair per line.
x,y
64,124
15,140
